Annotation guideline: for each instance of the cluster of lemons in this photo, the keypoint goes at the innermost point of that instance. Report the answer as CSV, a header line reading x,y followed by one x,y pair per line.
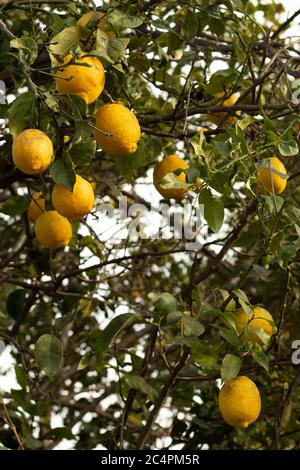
x,y
117,132
271,171
239,398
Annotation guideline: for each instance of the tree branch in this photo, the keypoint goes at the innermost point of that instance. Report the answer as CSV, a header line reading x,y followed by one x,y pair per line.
x,y
143,437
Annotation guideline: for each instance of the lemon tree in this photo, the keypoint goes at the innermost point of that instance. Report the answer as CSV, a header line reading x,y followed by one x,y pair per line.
x,y
149,224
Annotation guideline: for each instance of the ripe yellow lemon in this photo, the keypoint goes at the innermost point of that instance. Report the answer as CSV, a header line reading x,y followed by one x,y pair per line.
x,y
74,204
32,151
86,17
36,206
272,181
53,230
225,119
170,164
259,318
239,402
85,78
122,127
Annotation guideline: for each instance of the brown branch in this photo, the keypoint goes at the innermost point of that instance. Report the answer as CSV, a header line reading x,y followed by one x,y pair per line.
x,y
144,435
19,245
6,30
122,259
11,425
204,109
247,368
285,25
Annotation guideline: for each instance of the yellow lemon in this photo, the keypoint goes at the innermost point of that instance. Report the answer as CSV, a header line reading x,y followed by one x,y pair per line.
x,y
53,230
36,206
118,129
259,318
73,204
32,151
86,17
170,164
271,180
239,402
222,118
85,78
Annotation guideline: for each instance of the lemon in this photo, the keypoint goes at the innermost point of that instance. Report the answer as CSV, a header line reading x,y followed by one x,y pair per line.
x,y
122,127
222,118
74,204
86,17
85,78
53,230
36,206
259,318
239,402
272,181
32,151
170,164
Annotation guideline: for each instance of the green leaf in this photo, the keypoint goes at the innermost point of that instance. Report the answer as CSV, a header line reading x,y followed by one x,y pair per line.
x,y
261,358
4,108
22,113
15,302
27,47
110,49
59,433
138,383
191,23
173,317
49,354
220,80
170,181
243,301
213,210
62,174
288,148
83,152
230,367
106,336
229,318
149,148
21,376
268,123
120,20
230,336
205,356
165,304
101,53
16,205
244,123
192,327
203,149
230,307
139,61
288,251
64,41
